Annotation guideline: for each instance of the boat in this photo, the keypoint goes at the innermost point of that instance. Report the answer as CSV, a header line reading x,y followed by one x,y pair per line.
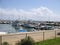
x,y
22,30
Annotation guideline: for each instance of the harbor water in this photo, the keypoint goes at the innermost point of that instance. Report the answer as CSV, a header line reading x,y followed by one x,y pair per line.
x,y
10,29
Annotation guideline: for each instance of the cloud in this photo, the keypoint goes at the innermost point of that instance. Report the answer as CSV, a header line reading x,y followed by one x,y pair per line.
x,y
41,14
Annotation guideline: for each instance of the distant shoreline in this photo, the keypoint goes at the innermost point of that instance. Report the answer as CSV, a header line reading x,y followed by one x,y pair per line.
x,y
4,23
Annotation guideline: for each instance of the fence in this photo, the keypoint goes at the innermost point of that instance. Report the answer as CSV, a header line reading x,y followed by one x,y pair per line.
x,y
37,36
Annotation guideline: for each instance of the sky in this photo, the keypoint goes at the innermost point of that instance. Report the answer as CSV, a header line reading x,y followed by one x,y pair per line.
x,y
41,10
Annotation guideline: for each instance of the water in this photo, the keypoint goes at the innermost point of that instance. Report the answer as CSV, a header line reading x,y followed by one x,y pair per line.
x,y
10,29
7,28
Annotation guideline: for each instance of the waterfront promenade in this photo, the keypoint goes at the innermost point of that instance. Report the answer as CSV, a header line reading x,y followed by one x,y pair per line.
x,y
37,36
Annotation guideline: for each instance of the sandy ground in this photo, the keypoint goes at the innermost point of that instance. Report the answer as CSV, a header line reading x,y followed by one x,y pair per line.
x,y
37,36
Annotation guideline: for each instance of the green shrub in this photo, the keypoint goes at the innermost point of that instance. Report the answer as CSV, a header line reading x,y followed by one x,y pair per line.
x,y
5,43
27,41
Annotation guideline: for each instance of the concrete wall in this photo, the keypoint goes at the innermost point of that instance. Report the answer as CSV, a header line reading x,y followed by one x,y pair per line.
x,y
37,36
13,38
